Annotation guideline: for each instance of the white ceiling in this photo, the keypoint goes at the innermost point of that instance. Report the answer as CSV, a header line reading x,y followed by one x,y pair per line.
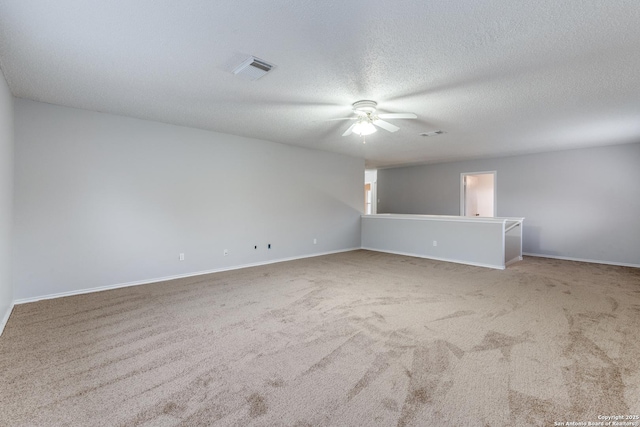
x,y
500,77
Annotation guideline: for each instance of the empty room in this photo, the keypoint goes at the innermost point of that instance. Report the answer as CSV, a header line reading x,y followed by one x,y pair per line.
x,y
299,213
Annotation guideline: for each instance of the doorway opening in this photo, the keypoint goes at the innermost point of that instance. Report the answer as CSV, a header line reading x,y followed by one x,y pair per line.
x,y
478,194
370,196
367,198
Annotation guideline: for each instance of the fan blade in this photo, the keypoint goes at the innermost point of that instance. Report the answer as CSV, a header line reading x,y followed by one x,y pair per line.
x,y
398,116
386,125
348,132
343,118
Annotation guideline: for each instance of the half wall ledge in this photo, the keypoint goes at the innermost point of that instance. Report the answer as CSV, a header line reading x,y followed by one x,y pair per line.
x,y
479,241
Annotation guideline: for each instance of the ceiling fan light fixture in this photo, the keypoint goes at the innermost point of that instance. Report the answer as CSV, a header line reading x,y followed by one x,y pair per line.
x,y
364,128
367,121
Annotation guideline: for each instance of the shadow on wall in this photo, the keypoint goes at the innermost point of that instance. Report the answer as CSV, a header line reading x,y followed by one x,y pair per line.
x,y
531,241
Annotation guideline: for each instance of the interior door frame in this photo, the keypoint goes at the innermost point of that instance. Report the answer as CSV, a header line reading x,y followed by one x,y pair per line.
x,y
463,192
374,189
365,196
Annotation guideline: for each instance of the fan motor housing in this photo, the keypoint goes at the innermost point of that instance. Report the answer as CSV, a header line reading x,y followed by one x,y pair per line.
x,y
364,107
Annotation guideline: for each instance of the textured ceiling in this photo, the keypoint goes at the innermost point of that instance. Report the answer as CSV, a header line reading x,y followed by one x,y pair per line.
x,y
500,77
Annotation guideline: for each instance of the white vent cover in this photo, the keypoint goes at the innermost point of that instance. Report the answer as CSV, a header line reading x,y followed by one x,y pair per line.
x,y
434,133
252,69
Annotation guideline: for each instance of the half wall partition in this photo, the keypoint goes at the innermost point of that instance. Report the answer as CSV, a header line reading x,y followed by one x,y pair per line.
x,y
485,242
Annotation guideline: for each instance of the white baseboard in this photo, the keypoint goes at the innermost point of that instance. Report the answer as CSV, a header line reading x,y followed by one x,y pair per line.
x,y
5,318
166,278
457,261
592,261
511,261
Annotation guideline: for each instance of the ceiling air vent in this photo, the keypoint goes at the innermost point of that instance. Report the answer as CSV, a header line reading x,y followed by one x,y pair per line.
x,y
252,69
434,133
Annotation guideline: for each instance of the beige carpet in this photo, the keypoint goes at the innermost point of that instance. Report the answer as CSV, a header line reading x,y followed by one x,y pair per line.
x,y
353,339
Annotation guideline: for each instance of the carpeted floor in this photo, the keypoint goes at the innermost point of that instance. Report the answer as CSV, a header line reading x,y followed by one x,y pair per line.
x,y
352,339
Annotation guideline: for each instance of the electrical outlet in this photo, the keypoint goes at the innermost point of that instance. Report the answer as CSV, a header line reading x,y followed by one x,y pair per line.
x,y
181,257
435,243
315,241
226,252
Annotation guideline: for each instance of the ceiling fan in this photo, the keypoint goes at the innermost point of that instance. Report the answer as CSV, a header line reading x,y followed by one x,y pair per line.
x,y
367,119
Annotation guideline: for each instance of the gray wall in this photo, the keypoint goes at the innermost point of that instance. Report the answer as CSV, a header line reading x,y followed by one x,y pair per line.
x,y
6,198
104,200
582,204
